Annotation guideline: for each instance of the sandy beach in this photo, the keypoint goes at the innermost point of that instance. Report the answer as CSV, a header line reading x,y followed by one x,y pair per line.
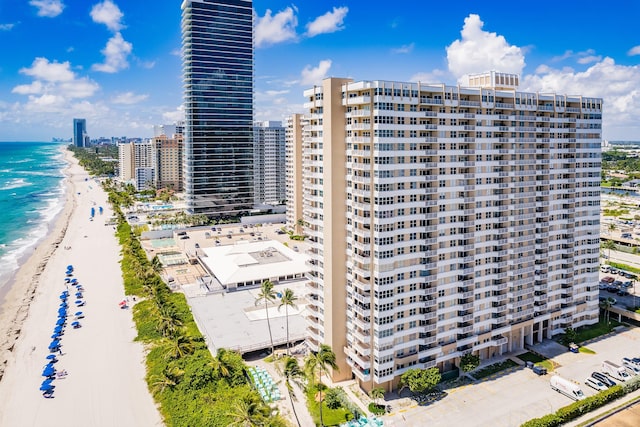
x,y
105,383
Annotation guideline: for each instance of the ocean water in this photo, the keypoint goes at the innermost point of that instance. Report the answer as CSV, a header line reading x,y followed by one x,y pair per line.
x,y
31,194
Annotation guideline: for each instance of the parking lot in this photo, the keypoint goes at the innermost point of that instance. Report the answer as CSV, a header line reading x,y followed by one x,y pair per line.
x,y
620,289
511,399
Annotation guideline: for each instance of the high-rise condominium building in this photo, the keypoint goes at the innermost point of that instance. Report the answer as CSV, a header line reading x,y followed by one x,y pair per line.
x,y
293,158
154,163
445,220
269,162
80,138
217,58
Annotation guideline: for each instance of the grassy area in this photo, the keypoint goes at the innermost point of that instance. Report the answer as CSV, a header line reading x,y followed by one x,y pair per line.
x,y
589,332
586,350
330,417
537,360
492,369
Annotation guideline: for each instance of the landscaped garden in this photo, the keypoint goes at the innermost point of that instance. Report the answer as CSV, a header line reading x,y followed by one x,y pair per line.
x,y
493,369
537,360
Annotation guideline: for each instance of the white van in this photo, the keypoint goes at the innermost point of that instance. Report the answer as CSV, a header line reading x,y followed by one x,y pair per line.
x,y
566,387
615,371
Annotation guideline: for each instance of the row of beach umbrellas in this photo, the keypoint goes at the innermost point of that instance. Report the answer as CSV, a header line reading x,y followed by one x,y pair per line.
x,y
49,371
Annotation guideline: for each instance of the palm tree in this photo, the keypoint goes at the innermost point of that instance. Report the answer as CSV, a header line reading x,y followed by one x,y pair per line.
x,y
375,394
170,321
245,414
292,375
609,244
605,305
169,378
268,295
156,264
319,362
178,346
288,300
612,227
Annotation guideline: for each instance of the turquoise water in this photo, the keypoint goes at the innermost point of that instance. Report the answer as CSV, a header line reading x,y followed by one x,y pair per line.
x,y
31,190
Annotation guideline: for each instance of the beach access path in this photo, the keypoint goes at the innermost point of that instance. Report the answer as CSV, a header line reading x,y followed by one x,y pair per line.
x,y
105,385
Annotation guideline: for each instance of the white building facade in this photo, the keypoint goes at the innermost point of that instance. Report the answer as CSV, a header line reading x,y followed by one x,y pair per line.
x,y
446,220
269,163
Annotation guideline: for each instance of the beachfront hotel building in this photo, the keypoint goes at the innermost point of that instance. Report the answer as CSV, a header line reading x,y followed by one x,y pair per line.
x,y
217,67
293,176
269,163
154,163
445,220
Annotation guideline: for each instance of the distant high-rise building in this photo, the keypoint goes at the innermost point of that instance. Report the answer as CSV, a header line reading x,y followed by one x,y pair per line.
x,y
217,49
80,137
293,158
445,220
269,162
167,161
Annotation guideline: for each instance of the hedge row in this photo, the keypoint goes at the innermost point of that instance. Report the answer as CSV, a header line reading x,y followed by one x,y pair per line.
x,y
581,407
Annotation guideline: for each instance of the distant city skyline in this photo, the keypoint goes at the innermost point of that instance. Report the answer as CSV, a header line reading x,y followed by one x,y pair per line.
x,y
123,74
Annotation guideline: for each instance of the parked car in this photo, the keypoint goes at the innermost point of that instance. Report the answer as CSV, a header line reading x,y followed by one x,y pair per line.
x,y
617,283
184,237
608,279
623,292
595,384
197,245
634,361
631,368
603,379
539,370
602,286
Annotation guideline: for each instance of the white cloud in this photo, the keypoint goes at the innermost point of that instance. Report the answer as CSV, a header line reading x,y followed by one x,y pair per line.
x,y
42,69
634,51
589,59
330,22
407,48
618,85
115,53
128,98
174,116
48,8
6,27
479,51
271,29
109,14
35,87
313,76
53,88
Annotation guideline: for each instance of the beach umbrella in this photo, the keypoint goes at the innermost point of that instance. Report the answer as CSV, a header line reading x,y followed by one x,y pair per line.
x,y
60,322
79,315
63,304
58,328
76,325
49,371
123,302
48,381
55,336
62,310
51,357
67,280
79,303
74,281
78,294
47,388
55,343
63,297
69,267
65,293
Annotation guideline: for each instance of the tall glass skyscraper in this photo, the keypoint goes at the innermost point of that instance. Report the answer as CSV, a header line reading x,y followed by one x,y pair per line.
x,y
79,132
217,66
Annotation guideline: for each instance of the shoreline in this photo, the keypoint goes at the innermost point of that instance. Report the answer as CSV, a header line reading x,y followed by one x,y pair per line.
x,y
18,293
105,373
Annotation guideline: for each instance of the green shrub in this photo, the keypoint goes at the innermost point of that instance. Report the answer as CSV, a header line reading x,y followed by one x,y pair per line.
x,y
376,409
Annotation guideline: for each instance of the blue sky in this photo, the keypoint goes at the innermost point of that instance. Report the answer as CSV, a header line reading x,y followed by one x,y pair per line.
x,y
117,64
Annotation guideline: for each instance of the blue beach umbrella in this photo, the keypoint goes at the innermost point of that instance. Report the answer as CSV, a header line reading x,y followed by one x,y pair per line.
x,y
58,329
47,388
49,371
48,381
51,357
62,310
60,322
55,343
69,267
79,303
75,325
64,304
63,297
74,281
79,314
78,294
55,336
67,280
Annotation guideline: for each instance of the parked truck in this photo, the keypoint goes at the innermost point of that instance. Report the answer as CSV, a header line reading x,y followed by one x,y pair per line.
x,y
615,371
566,387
